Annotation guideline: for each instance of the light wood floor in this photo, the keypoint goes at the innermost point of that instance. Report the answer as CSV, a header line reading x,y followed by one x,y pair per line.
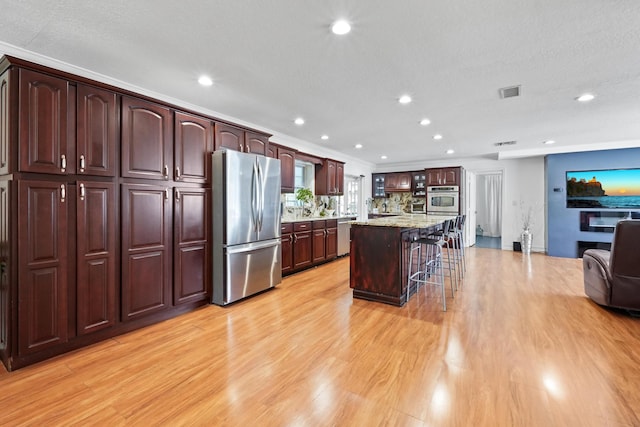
x,y
520,345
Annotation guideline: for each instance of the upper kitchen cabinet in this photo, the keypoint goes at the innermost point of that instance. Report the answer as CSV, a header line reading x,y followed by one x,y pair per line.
x,y
147,139
397,182
377,183
330,178
61,127
45,105
193,146
238,139
418,187
287,159
443,176
96,131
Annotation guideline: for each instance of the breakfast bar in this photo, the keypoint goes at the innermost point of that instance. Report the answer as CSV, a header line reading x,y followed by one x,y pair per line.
x,y
379,255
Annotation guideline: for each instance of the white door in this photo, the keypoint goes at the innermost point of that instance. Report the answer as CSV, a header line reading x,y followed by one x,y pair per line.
x,y
470,237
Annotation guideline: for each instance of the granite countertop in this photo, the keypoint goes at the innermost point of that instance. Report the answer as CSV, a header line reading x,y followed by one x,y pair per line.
x,y
317,218
406,221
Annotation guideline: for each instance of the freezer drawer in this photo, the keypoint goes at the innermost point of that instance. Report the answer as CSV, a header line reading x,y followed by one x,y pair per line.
x,y
247,269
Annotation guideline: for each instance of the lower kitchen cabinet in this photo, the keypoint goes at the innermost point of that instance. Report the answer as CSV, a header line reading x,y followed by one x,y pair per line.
x,y
331,242
192,245
286,231
319,239
302,245
96,249
42,265
146,249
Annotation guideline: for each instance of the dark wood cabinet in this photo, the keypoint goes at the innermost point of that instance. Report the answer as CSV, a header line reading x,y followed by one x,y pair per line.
x,y
377,182
146,249
418,184
192,245
397,182
238,139
331,239
319,241
287,169
256,143
5,105
286,231
327,180
43,266
302,245
96,256
443,176
147,139
272,151
44,106
193,145
230,137
96,125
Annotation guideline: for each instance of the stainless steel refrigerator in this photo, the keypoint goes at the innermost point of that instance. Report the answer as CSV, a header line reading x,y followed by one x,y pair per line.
x,y
246,225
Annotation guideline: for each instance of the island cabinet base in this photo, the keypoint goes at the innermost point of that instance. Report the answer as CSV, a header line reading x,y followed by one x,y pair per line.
x,y
378,263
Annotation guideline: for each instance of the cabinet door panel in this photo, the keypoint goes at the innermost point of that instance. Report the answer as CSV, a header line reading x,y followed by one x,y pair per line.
x,y
287,169
96,131
256,143
302,248
318,246
42,299
433,176
229,137
5,261
192,228
193,148
450,176
147,140
43,123
4,123
146,253
96,246
287,252
339,178
331,243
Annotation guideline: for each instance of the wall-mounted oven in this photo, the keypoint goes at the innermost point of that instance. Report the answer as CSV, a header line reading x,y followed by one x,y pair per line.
x,y
443,200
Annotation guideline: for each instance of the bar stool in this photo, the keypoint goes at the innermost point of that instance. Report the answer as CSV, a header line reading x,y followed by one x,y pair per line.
x,y
429,265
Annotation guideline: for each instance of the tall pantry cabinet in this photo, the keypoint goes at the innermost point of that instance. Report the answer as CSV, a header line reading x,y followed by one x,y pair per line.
x,y
104,212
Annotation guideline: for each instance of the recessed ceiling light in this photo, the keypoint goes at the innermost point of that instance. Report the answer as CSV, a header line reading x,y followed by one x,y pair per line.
x,y
205,80
404,99
341,27
425,122
383,157
299,121
450,151
324,137
549,142
437,137
585,97
358,146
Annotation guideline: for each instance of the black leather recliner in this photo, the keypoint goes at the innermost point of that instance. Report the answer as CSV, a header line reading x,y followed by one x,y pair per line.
x,y
612,278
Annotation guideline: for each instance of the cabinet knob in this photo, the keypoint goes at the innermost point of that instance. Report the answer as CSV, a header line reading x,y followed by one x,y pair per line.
x,y
177,194
166,194
82,163
82,192
166,171
63,193
177,172
63,163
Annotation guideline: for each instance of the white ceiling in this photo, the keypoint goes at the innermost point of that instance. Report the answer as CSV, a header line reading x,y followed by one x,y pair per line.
x,y
272,61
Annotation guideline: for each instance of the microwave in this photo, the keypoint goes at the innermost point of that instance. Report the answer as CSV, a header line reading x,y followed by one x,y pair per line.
x,y
443,200
419,206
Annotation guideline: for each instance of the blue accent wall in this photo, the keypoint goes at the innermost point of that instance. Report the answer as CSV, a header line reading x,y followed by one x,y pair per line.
x,y
563,224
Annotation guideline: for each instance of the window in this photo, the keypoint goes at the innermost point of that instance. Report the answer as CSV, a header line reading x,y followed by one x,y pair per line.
x,y
351,198
304,177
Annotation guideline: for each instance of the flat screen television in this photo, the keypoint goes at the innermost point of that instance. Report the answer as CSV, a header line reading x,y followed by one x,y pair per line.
x,y
604,189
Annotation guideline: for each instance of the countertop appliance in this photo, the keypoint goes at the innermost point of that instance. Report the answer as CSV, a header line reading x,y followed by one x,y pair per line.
x,y
443,200
246,225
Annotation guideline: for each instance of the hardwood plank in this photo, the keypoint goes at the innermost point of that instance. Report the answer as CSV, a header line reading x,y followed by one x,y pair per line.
x,y
520,344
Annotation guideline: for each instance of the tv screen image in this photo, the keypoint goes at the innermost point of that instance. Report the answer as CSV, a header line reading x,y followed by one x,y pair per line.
x,y
604,189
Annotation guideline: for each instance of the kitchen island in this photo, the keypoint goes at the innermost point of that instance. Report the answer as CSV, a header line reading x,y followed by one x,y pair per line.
x,y
379,255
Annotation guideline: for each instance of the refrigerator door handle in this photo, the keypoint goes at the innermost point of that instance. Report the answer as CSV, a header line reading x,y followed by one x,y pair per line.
x,y
254,197
252,246
261,199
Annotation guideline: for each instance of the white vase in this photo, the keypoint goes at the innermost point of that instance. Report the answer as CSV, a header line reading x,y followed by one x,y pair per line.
x,y
526,237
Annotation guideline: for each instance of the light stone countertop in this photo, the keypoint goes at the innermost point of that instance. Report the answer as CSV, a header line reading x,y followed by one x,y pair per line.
x,y
316,218
406,221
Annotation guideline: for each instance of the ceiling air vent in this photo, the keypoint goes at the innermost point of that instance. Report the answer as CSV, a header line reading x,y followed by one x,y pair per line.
x,y
500,144
510,92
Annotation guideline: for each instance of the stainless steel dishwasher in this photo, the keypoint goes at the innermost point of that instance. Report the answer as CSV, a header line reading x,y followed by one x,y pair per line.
x,y
344,235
